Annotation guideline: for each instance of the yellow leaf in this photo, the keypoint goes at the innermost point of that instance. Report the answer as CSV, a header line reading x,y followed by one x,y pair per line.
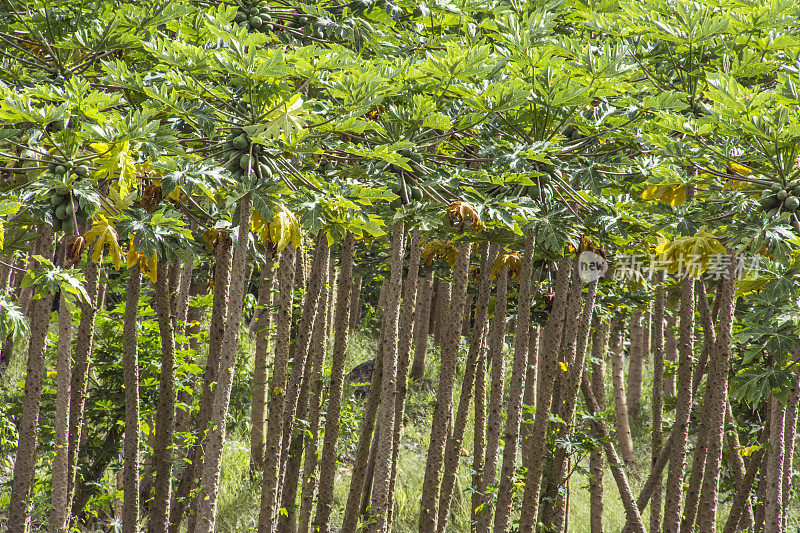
x,y
102,233
284,230
741,169
116,163
650,193
2,235
735,185
148,265
563,366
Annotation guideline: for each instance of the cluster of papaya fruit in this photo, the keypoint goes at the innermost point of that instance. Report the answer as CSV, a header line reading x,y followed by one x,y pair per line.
x,y
778,197
65,208
244,157
253,15
412,192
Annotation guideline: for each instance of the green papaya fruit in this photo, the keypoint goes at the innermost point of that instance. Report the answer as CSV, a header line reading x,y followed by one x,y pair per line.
x,y
417,194
61,211
241,142
791,203
244,162
782,195
796,190
775,187
68,225
56,199
256,22
60,170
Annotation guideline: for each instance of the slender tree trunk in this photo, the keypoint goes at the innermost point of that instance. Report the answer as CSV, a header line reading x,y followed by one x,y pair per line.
x,y
502,519
773,512
298,374
421,328
130,370
80,371
317,356
635,366
626,494
366,439
479,439
293,443
405,341
476,352
717,386
262,331
25,462
657,436
355,304
386,413
620,399
206,513
737,463
670,350
219,310
443,297
742,494
327,471
788,446
569,406
60,514
529,400
443,411
596,462
495,358
268,514
677,460
548,363
165,415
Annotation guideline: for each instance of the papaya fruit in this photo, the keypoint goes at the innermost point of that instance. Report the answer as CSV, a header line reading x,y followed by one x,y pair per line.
x,y
791,203
61,211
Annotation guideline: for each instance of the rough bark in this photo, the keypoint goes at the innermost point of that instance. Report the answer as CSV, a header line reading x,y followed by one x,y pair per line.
x,y
677,458
742,495
717,395
421,328
788,445
206,513
505,495
479,438
773,512
219,309
80,371
317,359
60,500
548,358
657,436
261,328
130,370
28,426
670,350
327,471
596,461
165,414
626,494
276,395
620,399
355,304
405,340
476,352
314,288
496,360
443,411
633,390
529,400
572,383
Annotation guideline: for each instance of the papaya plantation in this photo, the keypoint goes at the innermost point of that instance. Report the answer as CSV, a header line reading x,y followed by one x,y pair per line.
x,y
515,266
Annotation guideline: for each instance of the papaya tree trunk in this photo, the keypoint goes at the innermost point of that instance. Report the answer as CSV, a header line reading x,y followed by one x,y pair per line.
x,y
788,445
548,362
206,513
80,371
165,414
317,360
130,371
277,394
355,304
443,411
677,458
386,413
596,460
496,358
502,519
327,472
479,438
670,350
421,328
633,390
657,436
476,352
28,426
773,512
529,400
223,258
717,399
262,331
297,395
405,341
742,494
